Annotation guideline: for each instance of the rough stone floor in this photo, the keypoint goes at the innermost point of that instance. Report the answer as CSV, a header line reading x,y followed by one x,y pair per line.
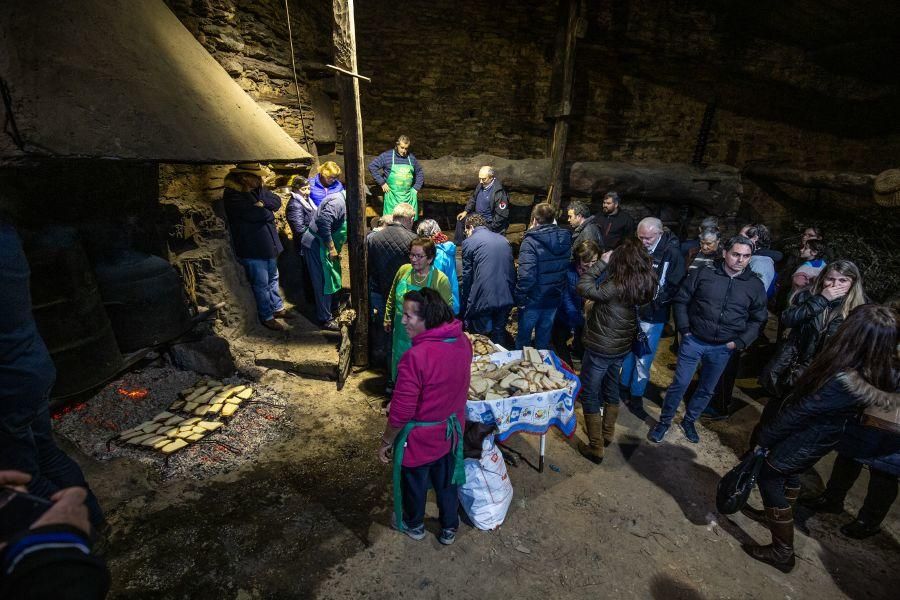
x,y
309,518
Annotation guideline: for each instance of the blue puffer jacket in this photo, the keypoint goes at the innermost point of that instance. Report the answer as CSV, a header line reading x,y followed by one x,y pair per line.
x,y
488,276
543,262
809,428
571,312
445,262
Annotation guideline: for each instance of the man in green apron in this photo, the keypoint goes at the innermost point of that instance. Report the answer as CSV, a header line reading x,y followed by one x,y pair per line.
x,y
400,176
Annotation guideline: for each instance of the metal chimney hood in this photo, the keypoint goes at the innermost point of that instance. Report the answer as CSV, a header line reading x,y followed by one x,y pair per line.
x,y
122,79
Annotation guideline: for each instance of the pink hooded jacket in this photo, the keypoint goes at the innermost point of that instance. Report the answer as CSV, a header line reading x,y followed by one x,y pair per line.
x,y
432,382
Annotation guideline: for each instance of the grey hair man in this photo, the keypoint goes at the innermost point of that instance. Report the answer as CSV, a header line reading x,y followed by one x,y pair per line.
x,y
665,251
490,200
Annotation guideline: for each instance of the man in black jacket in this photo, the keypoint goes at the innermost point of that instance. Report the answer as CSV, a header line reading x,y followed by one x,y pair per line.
x,y
584,224
718,310
665,250
388,250
488,280
490,201
251,209
615,224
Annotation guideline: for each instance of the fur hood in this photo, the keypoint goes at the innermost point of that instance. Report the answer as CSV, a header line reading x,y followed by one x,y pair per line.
x,y
868,395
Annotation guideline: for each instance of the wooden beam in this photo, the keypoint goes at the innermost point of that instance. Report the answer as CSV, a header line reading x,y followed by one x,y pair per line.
x,y
858,184
563,76
351,122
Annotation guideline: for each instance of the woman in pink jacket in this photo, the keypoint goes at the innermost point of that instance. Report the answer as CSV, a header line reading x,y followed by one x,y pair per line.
x,y
427,415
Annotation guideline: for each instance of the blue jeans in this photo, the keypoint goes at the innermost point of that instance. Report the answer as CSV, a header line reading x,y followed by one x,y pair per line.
x,y
636,371
713,358
538,321
491,324
263,276
27,444
599,374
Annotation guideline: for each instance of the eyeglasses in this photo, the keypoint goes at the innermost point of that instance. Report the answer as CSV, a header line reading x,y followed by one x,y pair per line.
x,y
415,256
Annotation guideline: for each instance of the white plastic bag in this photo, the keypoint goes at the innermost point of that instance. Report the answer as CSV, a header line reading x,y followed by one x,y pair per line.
x,y
488,492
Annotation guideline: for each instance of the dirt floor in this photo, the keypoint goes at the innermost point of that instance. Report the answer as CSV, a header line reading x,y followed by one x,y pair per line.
x,y
308,516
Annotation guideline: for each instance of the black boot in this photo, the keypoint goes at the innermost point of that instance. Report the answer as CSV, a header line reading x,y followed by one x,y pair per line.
x,y
780,553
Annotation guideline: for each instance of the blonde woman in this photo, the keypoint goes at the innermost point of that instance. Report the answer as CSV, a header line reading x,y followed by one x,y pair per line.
x,y
325,182
813,316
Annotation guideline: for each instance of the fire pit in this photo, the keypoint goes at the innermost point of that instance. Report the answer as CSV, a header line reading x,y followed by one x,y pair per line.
x,y
103,426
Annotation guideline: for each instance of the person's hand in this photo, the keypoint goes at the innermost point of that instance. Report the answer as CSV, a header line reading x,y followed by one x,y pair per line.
x,y
731,345
68,509
259,204
384,453
385,188
333,254
606,255
461,216
832,292
388,326
15,479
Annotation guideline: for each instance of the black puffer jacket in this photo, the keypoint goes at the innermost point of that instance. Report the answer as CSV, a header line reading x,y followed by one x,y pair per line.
x,y
809,428
813,320
610,325
719,309
388,250
543,262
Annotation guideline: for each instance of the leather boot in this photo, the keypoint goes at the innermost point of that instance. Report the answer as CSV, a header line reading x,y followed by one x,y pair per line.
x,y
610,414
790,494
780,553
593,451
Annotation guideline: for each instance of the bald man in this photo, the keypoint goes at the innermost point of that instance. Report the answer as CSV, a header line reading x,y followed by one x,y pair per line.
x,y
490,200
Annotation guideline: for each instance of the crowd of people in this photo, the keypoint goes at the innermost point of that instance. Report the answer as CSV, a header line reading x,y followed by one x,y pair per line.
x,y
601,292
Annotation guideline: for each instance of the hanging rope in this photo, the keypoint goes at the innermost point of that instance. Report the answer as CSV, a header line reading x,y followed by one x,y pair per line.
x,y
287,14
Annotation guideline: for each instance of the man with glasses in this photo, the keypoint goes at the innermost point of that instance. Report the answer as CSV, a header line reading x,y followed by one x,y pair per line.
x,y
490,200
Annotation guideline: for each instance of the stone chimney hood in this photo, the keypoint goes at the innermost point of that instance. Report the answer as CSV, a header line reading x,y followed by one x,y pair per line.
x,y
122,79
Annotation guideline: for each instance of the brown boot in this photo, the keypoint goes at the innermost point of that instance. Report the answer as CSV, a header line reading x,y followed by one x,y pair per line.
x,y
790,494
594,450
610,414
780,553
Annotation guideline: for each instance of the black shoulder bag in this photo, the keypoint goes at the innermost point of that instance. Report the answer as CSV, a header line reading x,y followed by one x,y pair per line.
x,y
641,345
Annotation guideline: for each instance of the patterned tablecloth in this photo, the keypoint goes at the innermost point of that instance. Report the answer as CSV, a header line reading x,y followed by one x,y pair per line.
x,y
532,413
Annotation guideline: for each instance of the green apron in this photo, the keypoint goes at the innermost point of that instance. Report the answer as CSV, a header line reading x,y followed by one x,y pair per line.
x,y
401,342
331,269
400,181
454,433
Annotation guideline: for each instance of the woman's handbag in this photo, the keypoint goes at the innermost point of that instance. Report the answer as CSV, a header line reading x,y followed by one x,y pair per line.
x,y
778,376
735,486
641,345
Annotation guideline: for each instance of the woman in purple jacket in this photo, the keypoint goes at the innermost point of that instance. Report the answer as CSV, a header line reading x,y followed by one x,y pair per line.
x,y
427,415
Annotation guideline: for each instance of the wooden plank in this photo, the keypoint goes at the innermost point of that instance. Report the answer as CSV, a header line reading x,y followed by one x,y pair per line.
x,y
564,76
344,35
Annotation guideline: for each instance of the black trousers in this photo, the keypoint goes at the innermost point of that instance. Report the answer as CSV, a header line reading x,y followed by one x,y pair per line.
x,y
415,482
879,497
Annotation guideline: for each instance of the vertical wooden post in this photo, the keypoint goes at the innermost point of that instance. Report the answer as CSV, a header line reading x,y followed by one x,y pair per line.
x,y
561,109
351,123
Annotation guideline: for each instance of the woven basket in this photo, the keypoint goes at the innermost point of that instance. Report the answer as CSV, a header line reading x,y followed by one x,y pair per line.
x,y
887,188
